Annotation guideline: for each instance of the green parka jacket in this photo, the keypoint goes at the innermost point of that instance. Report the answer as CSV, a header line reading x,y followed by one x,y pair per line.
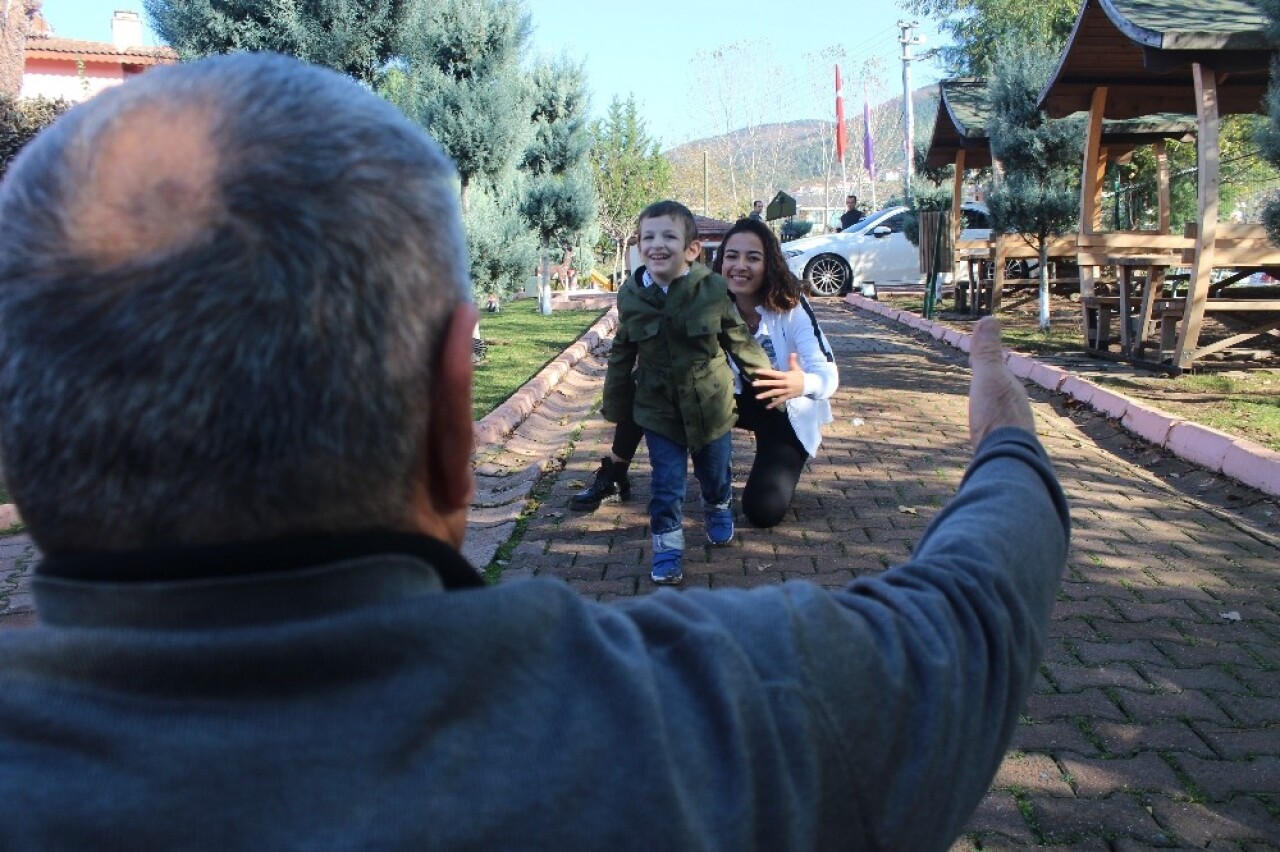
x,y
682,385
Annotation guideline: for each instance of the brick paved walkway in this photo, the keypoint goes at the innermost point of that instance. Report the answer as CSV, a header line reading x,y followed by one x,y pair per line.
x,y
1156,720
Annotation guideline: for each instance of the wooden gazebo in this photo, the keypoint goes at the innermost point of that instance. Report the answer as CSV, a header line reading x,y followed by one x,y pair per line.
x,y
960,138
1127,58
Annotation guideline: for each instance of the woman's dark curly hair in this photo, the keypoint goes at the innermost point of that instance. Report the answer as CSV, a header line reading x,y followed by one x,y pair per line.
x,y
781,289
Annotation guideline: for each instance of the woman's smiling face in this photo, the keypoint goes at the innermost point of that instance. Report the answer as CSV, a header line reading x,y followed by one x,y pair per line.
x,y
743,263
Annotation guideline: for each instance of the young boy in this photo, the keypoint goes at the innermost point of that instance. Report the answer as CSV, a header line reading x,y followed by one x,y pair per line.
x,y
676,323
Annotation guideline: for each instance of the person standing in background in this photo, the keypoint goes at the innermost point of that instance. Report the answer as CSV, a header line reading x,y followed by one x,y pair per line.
x,y
851,215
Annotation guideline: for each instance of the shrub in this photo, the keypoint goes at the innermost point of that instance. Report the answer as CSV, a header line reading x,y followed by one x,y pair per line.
x,y
21,120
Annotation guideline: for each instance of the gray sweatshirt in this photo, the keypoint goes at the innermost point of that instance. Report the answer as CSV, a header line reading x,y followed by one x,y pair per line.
x,y
358,705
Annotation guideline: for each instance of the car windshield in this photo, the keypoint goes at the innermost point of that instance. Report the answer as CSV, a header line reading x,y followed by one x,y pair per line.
x,y
875,218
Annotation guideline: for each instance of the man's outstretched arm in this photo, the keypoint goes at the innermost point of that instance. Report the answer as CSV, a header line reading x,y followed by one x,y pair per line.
x,y
912,679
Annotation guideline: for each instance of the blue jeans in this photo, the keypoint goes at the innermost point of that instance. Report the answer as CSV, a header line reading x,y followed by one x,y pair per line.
x,y
670,463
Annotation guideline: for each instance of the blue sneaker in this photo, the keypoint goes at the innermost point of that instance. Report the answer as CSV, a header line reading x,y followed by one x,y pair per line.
x,y
668,567
720,526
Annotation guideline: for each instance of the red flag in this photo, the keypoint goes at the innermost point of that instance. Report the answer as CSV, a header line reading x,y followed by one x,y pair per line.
x,y
839,118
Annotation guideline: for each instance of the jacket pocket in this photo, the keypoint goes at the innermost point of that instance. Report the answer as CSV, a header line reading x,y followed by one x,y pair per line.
x,y
643,329
705,323
706,401
702,331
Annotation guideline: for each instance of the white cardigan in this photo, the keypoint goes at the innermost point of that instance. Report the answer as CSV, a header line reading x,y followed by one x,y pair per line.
x,y
797,331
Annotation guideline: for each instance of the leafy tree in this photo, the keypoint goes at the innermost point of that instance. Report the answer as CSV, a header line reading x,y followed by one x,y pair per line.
x,y
1269,135
1037,196
461,81
21,120
503,250
629,172
355,37
1244,168
980,27
933,198
559,202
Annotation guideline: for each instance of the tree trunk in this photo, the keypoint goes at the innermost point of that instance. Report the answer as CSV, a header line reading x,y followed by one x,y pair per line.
x,y
544,284
1044,283
13,42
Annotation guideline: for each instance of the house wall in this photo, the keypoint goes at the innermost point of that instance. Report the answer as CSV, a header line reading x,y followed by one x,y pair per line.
x,y
60,78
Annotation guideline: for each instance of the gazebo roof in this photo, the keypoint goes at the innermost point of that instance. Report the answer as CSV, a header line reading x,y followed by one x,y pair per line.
x,y
1142,52
961,124
963,112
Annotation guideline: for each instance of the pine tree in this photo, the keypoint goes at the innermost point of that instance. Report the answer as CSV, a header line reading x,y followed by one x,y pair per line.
x,y
355,37
502,249
559,202
1037,194
629,172
462,83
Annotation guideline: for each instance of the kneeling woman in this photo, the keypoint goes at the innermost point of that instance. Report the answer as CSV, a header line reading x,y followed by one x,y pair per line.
x,y
787,406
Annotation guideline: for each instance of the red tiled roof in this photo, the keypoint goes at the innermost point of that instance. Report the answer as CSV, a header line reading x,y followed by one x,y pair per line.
x,y
52,47
713,228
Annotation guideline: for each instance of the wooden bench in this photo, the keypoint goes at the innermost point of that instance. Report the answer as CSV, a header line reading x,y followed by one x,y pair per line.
x,y
1249,312
1007,247
1235,246
1098,312
1094,249
1250,318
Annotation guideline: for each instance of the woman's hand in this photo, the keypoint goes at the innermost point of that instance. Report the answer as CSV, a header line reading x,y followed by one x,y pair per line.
x,y
780,386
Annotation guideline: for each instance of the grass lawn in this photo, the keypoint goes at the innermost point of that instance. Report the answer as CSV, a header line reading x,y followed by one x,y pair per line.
x,y
521,342
1238,400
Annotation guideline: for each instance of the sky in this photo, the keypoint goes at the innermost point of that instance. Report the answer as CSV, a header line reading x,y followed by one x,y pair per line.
x,y
696,69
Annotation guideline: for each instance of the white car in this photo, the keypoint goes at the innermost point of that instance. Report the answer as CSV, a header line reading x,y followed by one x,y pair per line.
x,y
874,251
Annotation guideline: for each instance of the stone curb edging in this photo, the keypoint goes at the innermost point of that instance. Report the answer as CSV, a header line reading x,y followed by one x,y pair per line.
x,y
500,422
1239,458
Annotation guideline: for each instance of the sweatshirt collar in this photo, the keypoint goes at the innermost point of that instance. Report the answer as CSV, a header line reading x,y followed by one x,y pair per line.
x,y
240,559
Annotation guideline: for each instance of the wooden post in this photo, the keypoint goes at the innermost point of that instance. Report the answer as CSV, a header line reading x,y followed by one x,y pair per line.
x,y
957,186
1162,184
1091,183
997,271
1091,186
1207,180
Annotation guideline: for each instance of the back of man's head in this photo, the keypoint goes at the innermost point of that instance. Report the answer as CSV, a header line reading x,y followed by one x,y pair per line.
x,y
222,287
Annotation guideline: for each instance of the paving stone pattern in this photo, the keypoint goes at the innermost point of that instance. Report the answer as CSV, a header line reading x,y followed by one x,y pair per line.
x,y
1155,721
17,557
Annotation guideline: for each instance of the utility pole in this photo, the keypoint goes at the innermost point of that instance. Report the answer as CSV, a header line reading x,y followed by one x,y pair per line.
x,y
906,39
705,184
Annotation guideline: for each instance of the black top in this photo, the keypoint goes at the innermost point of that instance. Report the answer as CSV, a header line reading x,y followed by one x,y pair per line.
x,y
849,218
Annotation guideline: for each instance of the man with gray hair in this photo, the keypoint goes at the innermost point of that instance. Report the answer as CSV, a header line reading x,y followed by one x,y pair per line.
x,y
235,394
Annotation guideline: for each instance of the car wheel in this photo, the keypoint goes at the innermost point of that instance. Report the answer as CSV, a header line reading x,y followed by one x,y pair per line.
x,y
828,275
1017,269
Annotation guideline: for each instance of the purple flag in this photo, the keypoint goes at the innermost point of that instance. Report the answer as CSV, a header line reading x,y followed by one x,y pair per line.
x,y
868,152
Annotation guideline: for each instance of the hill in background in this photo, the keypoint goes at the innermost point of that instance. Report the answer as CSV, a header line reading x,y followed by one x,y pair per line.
x,y
797,157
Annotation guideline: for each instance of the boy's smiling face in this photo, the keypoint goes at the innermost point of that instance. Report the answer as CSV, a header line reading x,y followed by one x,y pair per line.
x,y
663,248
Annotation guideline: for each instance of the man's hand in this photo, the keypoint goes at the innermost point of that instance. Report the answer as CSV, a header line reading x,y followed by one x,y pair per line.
x,y
778,385
996,397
